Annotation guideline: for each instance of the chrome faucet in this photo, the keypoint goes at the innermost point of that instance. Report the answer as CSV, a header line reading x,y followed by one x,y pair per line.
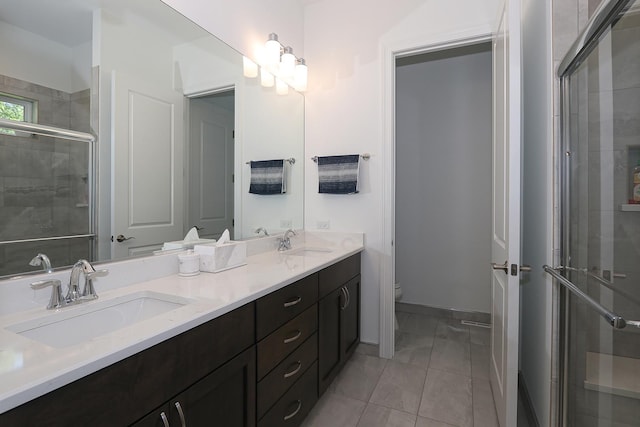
x,y
261,230
74,296
43,260
285,241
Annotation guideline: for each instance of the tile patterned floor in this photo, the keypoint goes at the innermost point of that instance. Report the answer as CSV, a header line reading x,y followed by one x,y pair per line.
x,y
439,377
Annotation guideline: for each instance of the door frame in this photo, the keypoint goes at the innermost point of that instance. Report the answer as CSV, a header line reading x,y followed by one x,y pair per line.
x,y
391,51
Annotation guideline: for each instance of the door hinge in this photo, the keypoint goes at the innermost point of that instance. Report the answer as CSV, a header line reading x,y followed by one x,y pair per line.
x,y
233,222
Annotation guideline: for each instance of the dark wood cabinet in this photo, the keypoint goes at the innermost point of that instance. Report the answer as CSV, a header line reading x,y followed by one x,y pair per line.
x,y
263,364
225,397
338,318
127,391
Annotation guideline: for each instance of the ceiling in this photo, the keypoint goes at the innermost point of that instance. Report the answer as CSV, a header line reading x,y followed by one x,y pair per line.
x,y
69,22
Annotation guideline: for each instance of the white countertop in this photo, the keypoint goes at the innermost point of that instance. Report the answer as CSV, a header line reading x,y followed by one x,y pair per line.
x,y
29,369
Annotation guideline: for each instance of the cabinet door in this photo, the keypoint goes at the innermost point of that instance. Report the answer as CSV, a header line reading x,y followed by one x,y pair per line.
x,y
226,397
350,322
329,327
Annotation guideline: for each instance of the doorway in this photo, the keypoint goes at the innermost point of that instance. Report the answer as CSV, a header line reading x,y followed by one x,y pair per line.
x,y
443,179
210,193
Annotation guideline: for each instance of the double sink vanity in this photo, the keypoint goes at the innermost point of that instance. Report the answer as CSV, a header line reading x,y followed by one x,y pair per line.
x,y
254,345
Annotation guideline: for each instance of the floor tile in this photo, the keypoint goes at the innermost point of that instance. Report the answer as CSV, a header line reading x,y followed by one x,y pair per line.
x,y
484,412
418,324
447,397
358,377
480,361
426,422
479,335
450,355
379,416
400,387
452,330
413,349
368,349
333,410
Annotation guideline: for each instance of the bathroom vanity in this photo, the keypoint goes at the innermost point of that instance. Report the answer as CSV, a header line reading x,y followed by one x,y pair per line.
x,y
256,346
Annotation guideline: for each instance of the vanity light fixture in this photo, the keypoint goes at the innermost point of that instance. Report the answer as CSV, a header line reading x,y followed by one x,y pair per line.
x,y
249,68
272,49
278,66
281,87
266,78
300,76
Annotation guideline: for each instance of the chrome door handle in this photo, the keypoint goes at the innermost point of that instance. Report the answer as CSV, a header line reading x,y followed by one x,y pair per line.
x,y
295,371
504,267
525,268
183,422
293,338
121,238
294,413
292,303
165,421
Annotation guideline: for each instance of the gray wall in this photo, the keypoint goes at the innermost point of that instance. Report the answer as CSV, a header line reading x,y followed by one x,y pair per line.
x,y
443,178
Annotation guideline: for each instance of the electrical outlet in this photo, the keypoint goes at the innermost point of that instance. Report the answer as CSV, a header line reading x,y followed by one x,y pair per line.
x,y
323,225
285,223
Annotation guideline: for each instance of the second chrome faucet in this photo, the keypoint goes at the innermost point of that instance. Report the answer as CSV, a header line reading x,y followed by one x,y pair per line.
x,y
73,296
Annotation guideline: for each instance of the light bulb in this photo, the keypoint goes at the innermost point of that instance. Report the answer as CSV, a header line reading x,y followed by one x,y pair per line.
x,y
272,51
266,78
249,68
300,76
281,87
287,62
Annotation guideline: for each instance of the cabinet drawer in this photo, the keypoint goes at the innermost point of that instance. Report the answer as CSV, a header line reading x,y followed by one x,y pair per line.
x,y
286,373
338,274
295,404
277,308
287,338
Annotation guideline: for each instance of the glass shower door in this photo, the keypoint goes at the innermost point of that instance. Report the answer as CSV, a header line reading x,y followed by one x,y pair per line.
x,y
601,229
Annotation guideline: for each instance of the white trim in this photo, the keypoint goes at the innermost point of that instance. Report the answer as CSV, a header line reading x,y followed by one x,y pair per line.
x,y
389,52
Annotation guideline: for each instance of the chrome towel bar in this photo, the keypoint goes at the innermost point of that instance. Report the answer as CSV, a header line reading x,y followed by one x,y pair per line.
x,y
612,318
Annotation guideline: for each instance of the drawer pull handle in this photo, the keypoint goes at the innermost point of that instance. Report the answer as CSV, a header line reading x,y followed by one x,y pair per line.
x,y
165,421
182,420
295,371
293,338
292,303
294,413
346,300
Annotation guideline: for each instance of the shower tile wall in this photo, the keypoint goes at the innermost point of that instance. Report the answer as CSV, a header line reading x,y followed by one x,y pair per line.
x,y
44,181
607,126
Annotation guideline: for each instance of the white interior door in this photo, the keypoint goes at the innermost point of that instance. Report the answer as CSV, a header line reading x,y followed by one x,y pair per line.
x,y
210,168
506,215
147,168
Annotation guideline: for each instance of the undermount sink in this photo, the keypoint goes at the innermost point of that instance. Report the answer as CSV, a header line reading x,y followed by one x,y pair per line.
x,y
306,251
83,322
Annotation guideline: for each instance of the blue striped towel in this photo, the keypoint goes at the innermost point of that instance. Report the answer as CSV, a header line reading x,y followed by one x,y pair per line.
x,y
267,177
338,174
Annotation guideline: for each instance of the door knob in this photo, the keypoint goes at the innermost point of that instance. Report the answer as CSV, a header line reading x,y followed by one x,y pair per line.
x,y
504,266
121,238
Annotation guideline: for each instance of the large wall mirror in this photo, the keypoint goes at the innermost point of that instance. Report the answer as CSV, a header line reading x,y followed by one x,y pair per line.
x,y
176,123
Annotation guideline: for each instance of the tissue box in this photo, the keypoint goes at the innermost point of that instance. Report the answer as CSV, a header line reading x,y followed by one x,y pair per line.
x,y
185,244
219,258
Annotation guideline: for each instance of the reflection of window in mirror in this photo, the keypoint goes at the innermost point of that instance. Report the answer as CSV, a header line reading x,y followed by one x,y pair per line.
x,y
16,108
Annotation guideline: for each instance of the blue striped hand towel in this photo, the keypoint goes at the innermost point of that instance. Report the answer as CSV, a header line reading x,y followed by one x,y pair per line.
x,y
267,177
338,174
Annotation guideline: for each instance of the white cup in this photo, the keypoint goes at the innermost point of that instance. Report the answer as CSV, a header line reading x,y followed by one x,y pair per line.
x,y
188,264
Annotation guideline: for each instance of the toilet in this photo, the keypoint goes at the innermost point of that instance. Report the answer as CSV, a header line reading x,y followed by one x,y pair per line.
x,y
398,290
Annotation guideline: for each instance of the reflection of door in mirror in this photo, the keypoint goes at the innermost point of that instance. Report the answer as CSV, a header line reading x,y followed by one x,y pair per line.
x,y
211,163
148,157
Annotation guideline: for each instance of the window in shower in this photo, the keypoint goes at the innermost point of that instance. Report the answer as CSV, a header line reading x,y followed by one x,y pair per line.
x,y
601,228
17,109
